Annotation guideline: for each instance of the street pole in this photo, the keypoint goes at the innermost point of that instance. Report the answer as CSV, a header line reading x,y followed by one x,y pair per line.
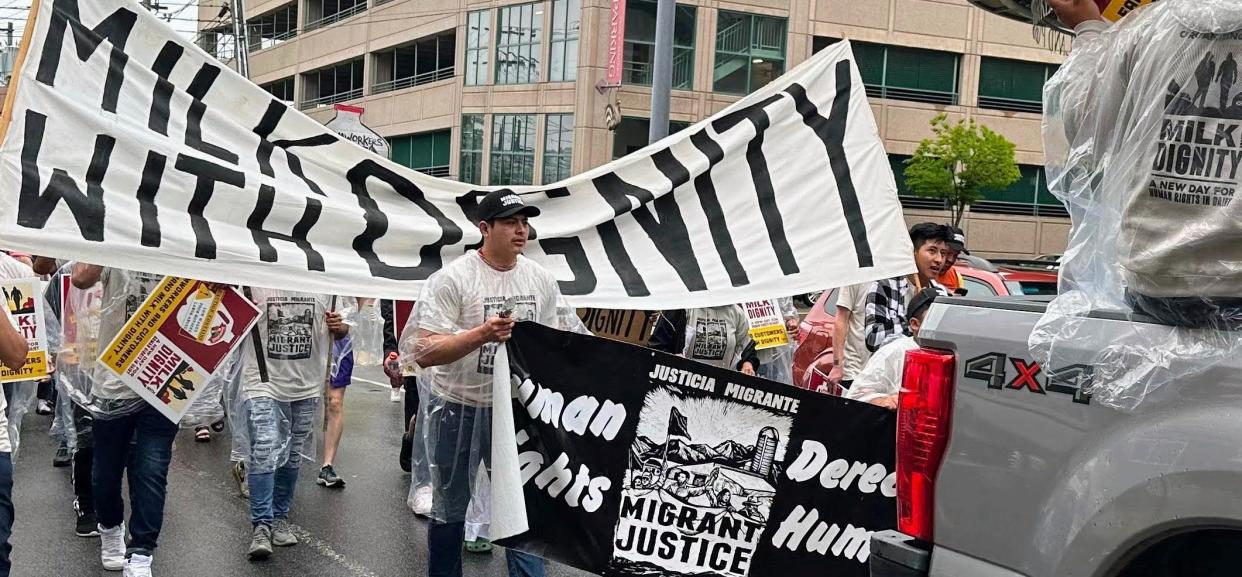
x,y
241,45
662,70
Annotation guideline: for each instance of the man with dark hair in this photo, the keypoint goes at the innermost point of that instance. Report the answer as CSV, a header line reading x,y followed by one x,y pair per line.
x,y
465,313
887,299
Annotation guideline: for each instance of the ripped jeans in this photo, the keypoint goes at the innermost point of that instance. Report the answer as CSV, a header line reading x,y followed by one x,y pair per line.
x,y
278,434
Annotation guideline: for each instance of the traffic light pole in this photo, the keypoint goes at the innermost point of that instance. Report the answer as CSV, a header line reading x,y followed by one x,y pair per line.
x,y
662,70
241,44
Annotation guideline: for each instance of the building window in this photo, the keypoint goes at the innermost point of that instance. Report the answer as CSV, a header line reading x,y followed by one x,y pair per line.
x,y
907,197
750,51
901,73
632,134
219,42
427,153
558,148
281,89
273,28
320,13
1028,196
519,31
566,22
1013,85
513,150
471,165
426,60
640,18
328,86
478,46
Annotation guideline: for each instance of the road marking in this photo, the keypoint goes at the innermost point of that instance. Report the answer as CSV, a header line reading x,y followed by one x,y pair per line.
x,y
323,548
377,384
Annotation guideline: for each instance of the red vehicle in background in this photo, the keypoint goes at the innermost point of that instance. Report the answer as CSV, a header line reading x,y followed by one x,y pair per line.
x,y
813,356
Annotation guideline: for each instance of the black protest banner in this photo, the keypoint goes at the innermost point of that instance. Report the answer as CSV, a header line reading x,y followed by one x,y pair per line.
x,y
636,462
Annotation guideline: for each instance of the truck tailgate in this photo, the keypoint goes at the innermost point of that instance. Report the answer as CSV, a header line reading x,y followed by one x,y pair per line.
x,y
1034,464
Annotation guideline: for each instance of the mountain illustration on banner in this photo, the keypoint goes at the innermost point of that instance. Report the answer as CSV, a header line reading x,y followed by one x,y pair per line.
x,y
729,453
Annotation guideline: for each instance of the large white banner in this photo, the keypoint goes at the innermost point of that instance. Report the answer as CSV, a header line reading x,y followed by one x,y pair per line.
x,y
127,146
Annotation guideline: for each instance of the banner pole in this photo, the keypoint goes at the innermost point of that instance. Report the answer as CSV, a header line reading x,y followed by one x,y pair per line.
x,y
241,45
6,116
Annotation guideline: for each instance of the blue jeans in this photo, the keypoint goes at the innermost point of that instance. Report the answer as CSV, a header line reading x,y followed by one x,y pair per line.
x,y
140,446
452,478
6,511
278,434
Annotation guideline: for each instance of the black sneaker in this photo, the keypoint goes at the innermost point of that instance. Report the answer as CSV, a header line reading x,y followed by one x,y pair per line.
x,y
63,457
86,526
406,458
328,478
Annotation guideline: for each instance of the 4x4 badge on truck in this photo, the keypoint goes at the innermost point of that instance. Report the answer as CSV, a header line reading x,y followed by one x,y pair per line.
x,y
994,369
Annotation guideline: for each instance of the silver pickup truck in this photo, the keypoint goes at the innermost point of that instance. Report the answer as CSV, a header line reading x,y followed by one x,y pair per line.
x,y
1005,470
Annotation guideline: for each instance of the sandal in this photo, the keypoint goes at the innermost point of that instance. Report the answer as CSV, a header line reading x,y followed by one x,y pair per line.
x,y
479,546
202,435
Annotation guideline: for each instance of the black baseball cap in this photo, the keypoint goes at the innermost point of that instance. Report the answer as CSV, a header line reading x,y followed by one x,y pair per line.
x,y
504,203
958,240
921,300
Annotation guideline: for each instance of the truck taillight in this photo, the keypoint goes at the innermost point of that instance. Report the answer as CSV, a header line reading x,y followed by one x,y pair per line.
x,y
923,414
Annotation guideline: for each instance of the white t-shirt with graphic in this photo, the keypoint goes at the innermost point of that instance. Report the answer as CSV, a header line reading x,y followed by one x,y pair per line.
x,y
462,295
716,335
296,344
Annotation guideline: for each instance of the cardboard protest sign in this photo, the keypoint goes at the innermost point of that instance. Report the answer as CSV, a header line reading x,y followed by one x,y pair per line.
x,y
24,299
640,463
125,145
177,339
767,324
633,327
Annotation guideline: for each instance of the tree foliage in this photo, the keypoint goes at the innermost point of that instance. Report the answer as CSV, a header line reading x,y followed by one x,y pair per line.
x,y
961,161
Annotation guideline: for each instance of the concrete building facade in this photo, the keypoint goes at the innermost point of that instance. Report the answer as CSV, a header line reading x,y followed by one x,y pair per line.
x,y
502,92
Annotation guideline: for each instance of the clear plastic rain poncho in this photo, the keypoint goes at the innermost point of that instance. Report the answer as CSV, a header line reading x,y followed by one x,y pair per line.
x,y
455,425
776,363
1143,138
367,333
19,395
122,294
274,396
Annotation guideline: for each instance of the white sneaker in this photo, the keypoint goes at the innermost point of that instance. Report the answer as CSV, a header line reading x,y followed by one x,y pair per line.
x,y
112,547
395,395
138,566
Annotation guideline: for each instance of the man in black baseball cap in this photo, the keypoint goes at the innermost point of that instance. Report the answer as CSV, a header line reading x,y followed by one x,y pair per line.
x,y
958,240
504,203
949,277
466,312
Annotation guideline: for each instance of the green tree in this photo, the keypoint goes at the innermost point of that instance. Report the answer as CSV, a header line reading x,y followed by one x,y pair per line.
x,y
959,163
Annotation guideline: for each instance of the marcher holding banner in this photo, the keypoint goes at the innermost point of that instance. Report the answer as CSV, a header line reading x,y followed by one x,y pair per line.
x,y
13,348
465,312
718,336
132,437
286,366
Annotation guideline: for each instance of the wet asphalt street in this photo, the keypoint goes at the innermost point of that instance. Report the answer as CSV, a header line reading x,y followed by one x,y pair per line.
x,y
365,530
